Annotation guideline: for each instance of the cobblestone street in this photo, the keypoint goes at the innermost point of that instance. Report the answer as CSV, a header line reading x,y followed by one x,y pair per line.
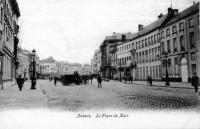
x,y
117,95
51,106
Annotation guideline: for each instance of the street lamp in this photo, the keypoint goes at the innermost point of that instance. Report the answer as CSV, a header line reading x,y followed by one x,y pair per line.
x,y
33,78
167,76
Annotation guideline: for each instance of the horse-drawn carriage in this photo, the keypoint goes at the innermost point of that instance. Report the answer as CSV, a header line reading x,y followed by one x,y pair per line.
x,y
74,78
69,79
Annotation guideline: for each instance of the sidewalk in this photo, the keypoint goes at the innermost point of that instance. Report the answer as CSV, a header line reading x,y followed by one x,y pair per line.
x,y
11,97
162,84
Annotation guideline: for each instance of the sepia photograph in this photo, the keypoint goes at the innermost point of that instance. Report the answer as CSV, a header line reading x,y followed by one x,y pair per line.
x,y
99,64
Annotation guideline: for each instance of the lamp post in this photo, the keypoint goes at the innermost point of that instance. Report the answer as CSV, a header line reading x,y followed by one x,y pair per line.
x,y
167,76
33,78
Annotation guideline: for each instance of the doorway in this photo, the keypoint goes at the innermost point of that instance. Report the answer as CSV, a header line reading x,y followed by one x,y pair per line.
x,y
184,70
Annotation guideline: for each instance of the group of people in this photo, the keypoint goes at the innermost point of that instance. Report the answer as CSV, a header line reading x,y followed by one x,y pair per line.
x,y
195,81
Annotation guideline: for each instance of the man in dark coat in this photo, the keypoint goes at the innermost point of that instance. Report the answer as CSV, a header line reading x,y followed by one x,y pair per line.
x,y
99,81
195,82
55,80
150,80
20,82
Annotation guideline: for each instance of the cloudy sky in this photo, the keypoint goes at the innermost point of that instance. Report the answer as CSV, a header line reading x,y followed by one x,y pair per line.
x,y
71,30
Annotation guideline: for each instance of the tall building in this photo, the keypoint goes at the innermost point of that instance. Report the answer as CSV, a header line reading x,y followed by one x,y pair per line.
x,y
9,14
96,61
180,41
107,45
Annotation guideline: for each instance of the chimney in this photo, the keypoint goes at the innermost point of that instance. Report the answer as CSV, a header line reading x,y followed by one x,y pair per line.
x,y
123,38
170,10
160,15
140,27
113,33
193,2
175,12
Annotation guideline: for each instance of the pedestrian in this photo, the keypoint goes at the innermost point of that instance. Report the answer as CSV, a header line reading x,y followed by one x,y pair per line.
x,y
150,80
195,82
55,80
20,82
99,81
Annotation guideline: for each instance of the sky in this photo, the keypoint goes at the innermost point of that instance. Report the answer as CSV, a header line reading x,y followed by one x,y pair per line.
x,y
71,30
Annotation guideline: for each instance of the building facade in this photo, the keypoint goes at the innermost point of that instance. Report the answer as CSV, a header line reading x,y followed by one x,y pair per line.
x,y
47,67
9,14
108,49
180,40
23,57
96,61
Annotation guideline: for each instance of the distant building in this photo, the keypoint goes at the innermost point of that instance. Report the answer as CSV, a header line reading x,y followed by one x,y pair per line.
x,y
24,63
107,45
47,67
87,69
96,65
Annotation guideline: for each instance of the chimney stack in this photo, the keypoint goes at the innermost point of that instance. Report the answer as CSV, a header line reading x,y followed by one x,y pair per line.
x,y
123,38
175,12
140,27
170,10
160,15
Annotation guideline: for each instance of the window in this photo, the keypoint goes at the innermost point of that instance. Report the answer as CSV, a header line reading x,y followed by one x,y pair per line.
x,y
152,54
146,52
149,55
193,68
151,40
136,45
192,56
142,56
181,27
139,44
146,43
158,36
162,34
168,46
137,57
156,53
142,43
154,39
182,43
169,66
174,29
176,65
191,22
175,45
163,46
167,32
191,40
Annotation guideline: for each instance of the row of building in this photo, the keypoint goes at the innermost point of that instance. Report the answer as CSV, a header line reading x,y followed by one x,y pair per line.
x,y
9,39
171,41
49,68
